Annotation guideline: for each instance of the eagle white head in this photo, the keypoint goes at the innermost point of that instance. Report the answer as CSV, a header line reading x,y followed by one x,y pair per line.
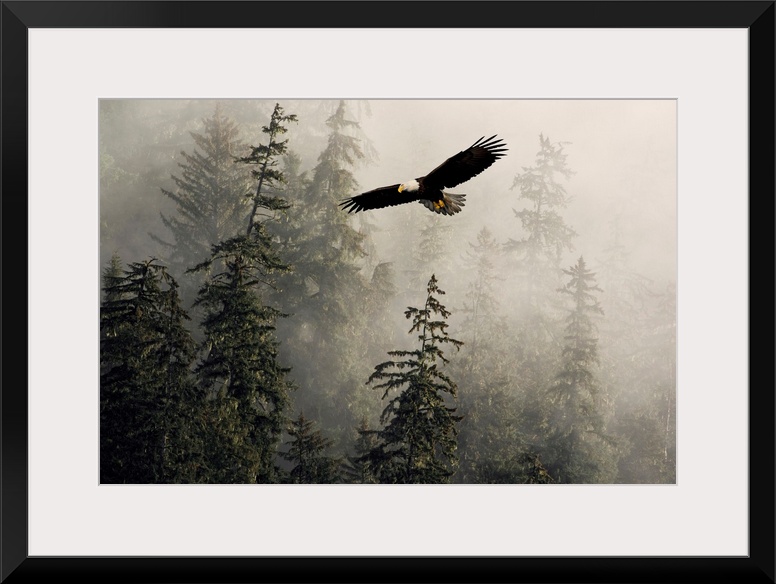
x,y
411,186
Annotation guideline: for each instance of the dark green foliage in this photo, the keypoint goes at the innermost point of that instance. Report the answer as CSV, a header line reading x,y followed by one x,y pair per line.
x,y
148,404
293,293
491,433
247,388
534,471
268,176
357,468
306,452
418,441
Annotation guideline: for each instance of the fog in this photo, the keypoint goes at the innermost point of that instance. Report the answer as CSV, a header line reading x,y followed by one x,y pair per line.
x,y
623,154
622,192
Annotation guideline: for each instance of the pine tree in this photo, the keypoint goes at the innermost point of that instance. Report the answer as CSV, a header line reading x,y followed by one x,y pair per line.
x,y
112,276
306,453
537,255
480,310
378,332
357,468
148,404
326,288
491,434
417,443
489,438
540,250
578,448
246,385
268,176
323,233
534,471
211,197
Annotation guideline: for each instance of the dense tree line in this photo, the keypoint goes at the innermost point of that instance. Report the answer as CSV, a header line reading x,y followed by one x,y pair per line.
x,y
250,347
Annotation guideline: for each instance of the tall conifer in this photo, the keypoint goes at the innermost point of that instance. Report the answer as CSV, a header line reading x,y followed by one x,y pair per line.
x,y
247,388
578,448
148,404
307,452
210,195
326,289
418,441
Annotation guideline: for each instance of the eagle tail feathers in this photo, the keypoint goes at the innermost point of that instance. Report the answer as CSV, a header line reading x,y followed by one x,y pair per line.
x,y
453,203
450,205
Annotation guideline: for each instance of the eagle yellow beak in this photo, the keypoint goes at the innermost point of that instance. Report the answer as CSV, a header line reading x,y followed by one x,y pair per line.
x,y
401,188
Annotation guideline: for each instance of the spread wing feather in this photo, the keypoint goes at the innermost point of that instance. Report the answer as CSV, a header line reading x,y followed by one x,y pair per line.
x,y
466,164
377,199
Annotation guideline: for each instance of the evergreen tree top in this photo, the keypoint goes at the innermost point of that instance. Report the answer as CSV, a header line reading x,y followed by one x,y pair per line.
x,y
266,157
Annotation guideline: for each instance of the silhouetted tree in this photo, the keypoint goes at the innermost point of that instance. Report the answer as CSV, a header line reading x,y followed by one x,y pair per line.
x,y
266,158
247,387
356,468
148,405
306,452
417,443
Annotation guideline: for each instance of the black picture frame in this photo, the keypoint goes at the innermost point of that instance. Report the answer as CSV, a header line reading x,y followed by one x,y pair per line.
x,y
756,16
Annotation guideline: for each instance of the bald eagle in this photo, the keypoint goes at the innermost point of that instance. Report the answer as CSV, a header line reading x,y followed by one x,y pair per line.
x,y
428,189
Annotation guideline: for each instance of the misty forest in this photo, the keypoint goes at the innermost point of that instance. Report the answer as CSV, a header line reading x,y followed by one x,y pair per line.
x,y
253,331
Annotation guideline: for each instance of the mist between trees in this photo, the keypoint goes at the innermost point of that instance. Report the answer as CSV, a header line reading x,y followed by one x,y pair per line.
x,y
253,332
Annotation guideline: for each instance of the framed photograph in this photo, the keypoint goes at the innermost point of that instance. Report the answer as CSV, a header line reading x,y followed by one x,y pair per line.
x,y
651,121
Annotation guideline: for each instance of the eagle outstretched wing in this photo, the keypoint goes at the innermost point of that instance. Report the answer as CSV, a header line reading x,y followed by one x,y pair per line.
x,y
428,189
466,164
377,199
